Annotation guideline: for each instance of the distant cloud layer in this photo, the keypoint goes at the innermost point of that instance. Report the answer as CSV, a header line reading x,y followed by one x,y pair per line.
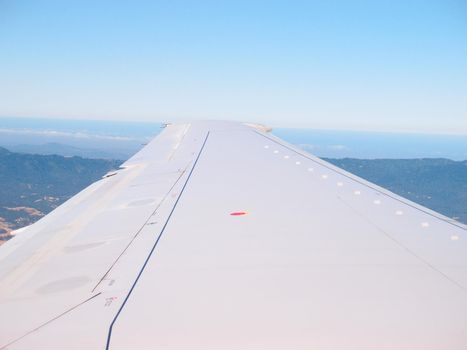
x,y
77,135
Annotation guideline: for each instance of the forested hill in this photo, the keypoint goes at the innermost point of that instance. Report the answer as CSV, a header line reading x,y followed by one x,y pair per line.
x,y
438,184
33,185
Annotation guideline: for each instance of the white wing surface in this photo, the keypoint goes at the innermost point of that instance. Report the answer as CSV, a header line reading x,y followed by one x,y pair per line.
x,y
218,235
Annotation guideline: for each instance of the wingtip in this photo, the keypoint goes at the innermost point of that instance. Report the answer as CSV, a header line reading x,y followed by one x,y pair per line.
x,y
259,127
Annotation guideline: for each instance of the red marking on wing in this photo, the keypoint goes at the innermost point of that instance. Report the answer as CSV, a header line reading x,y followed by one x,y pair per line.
x,y
238,213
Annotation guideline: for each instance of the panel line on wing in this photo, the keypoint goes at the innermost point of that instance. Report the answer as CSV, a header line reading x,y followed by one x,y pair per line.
x,y
139,230
400,244
155,244
4,347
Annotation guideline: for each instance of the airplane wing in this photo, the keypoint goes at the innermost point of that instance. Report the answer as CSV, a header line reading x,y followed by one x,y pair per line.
x,y
218,235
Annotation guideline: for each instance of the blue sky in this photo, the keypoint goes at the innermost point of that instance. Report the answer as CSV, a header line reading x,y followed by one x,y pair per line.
x,y
362,65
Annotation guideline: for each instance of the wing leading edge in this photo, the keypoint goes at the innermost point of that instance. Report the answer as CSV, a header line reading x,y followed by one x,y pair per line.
x,y
152,257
